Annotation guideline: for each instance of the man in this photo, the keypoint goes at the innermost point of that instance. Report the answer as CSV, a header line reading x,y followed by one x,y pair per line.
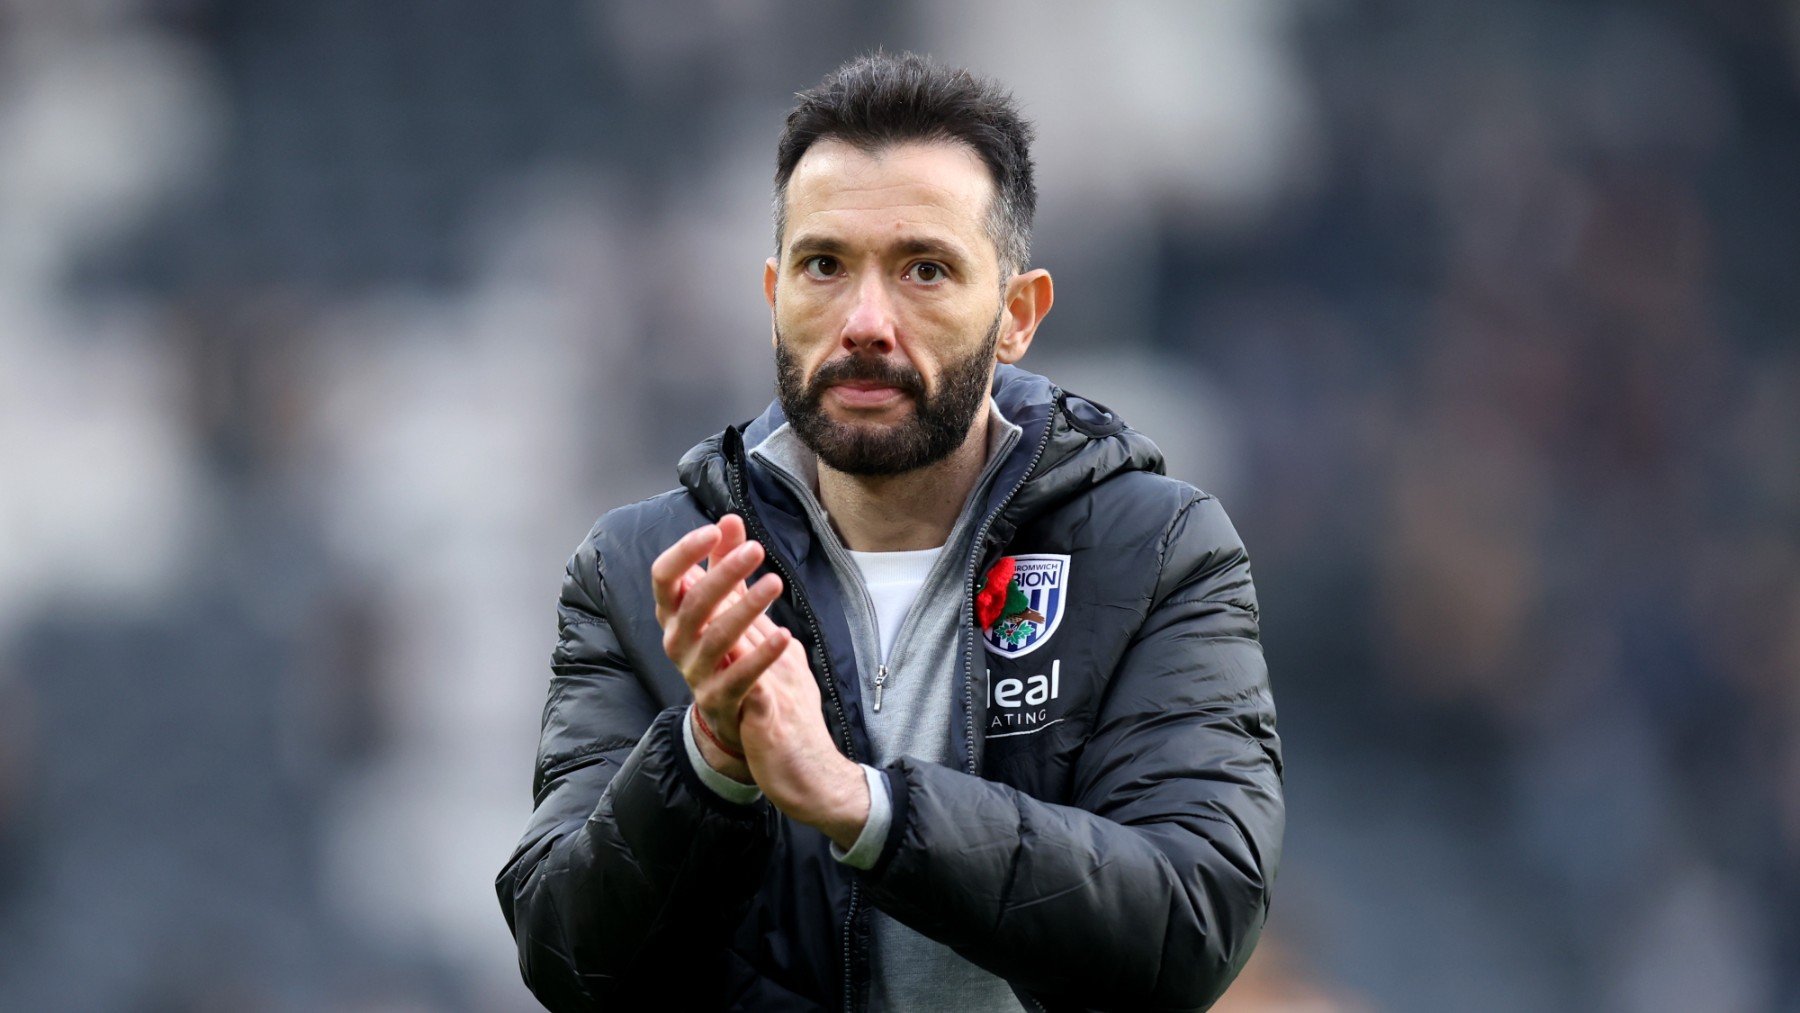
x,y
1003,737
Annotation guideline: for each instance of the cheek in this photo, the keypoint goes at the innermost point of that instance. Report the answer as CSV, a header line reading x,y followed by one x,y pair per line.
x,y
802,343
803,316
947,333
798,339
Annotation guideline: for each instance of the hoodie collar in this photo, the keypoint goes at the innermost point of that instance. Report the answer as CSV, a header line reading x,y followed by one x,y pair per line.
x,y
783,449
1067,444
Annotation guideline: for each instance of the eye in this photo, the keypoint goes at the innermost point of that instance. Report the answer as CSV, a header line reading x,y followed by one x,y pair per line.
x,y
927,272
821,266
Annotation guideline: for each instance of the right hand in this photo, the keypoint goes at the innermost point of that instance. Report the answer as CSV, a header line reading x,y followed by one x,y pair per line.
x,y
714,629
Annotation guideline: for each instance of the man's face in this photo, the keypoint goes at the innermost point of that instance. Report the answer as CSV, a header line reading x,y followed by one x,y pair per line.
x,y
887,303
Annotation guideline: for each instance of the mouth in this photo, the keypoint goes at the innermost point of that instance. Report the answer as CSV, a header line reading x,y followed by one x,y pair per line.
x,y
865,394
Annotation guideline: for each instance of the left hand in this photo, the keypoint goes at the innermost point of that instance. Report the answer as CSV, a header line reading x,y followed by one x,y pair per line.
x,y
792,755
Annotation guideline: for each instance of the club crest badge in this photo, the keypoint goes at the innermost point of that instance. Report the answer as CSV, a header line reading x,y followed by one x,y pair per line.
x,y
1021,604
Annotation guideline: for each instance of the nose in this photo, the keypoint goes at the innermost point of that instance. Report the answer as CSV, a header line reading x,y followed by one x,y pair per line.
x,y
870,325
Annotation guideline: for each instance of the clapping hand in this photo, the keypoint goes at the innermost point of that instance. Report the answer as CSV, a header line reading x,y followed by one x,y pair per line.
x,y
753,687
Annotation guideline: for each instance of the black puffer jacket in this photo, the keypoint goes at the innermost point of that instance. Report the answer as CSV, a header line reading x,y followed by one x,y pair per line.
x,y
1119,854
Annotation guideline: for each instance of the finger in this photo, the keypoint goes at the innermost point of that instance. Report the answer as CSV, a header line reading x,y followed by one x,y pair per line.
x,y
722,583
795,663
702,599
726,690
673,645
761,626
753,634
757,630
682,587
732,621
721,695
666,571
731,535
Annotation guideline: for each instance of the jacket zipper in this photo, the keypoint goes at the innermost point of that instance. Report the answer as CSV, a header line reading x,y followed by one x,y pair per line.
x,y
979,550
741,493
849,994
844,562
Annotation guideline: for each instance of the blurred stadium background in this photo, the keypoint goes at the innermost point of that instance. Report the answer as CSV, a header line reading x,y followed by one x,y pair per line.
x,y
327,327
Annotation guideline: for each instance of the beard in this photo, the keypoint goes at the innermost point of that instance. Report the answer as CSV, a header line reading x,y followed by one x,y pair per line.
x,y
938,425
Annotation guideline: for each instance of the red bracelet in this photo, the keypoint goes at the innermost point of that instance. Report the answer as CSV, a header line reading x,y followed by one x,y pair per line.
x,y
713,737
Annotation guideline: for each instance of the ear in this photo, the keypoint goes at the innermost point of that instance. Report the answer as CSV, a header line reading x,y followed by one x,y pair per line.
x,y
1028,299
769,275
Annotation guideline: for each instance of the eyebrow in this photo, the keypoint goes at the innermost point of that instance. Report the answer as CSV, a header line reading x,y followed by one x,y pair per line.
x,y
812,245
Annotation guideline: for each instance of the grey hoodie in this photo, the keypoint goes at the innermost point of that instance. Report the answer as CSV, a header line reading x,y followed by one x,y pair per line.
x,y
909,971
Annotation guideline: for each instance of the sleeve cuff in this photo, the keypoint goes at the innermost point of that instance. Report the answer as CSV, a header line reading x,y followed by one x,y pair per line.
x,y
868,844
722,786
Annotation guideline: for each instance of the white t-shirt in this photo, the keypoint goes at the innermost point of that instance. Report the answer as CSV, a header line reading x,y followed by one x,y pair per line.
x,y
894,580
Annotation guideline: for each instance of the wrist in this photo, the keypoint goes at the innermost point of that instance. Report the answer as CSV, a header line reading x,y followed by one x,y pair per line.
x,y
716,754
842,806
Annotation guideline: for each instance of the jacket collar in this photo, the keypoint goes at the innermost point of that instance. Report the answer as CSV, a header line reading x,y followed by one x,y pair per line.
x,y
1068,445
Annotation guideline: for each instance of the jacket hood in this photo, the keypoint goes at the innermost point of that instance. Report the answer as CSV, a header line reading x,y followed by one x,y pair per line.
x,y
1069,444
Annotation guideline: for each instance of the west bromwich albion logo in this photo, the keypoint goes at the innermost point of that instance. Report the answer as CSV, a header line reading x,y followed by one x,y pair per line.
x,y
1033,606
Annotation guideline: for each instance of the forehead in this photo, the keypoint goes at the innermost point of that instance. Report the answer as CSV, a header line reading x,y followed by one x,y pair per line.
x,y
837,186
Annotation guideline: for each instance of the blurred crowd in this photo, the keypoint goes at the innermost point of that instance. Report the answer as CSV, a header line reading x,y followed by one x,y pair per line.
x,y
327,328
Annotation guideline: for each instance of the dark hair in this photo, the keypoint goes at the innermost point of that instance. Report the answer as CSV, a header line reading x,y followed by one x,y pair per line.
x,y
879,100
